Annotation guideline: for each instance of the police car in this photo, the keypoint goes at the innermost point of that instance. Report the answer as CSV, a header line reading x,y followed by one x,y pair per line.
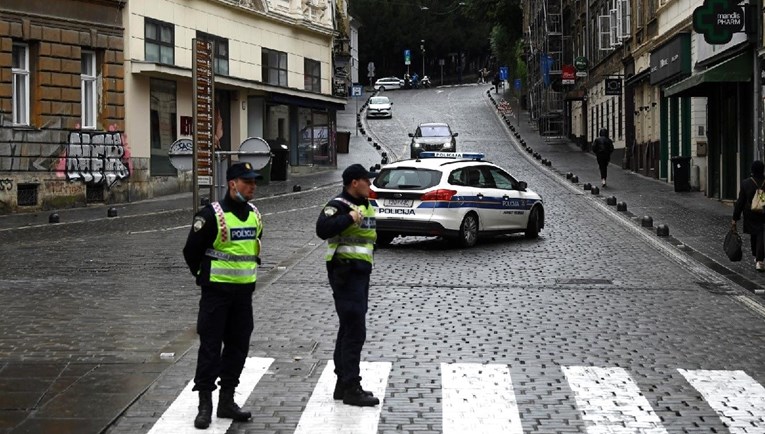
x,y
453,195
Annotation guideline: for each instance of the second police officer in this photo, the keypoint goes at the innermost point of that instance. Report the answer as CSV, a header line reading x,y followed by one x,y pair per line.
x,y
347,222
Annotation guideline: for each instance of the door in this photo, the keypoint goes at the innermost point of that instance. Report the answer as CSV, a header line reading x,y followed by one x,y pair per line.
x,y
511,213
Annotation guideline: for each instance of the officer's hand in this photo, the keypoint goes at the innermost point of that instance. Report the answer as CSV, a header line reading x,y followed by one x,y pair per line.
x,y
356,216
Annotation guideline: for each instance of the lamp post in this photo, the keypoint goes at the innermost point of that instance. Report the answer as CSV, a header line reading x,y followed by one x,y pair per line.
x,y
422,47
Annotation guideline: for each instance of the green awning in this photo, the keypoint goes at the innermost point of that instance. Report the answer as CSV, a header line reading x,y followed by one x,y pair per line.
x,y
737,69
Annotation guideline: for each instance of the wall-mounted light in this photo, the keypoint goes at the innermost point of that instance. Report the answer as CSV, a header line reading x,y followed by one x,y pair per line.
x,y
244,105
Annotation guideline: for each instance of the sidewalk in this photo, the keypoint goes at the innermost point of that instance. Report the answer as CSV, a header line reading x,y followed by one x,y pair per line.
x,y
697,224
360,151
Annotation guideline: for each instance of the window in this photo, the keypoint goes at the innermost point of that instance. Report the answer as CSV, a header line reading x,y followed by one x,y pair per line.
x,y
159,40
312,75
20,71
614,27
220,51
274,67
88,76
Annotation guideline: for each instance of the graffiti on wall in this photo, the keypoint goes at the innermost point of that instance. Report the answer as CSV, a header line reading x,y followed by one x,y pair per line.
x,y
96,157
6,184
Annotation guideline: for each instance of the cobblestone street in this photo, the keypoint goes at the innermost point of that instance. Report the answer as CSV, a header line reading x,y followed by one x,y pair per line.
x,y
597,326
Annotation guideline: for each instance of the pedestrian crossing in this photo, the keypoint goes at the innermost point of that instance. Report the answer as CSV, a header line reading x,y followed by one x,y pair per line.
x,y
480,398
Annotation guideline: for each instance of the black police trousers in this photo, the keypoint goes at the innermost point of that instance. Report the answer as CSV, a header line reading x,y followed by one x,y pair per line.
x,y
225,319
349,280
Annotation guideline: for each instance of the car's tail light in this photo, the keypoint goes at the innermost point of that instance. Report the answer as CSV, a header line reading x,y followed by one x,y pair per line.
x,y
438,195
372,194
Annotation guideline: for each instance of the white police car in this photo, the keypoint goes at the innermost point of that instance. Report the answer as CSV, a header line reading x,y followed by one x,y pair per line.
x,y
453,195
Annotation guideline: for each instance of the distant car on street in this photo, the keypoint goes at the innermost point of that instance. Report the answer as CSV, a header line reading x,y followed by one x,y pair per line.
x,y
432,136
379,107
389,83
456,196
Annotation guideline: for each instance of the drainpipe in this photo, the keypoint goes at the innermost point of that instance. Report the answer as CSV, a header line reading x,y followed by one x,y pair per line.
x,y
757,81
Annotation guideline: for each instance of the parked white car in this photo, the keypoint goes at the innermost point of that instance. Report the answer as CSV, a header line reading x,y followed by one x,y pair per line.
x,y
388,83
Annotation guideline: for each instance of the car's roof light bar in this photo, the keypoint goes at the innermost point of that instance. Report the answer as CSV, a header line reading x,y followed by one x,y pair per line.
x,y
457,155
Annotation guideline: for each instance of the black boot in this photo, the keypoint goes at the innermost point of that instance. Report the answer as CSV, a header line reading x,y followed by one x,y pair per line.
x,y
355,395
228,409
340,390
202,420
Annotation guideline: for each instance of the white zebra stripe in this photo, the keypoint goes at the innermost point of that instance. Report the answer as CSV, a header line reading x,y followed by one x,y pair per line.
x,y
478,399
611,402
734,395
323,414
179,417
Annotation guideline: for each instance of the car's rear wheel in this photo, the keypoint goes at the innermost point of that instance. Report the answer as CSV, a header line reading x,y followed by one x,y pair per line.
x,y
384,239
468,234
532,227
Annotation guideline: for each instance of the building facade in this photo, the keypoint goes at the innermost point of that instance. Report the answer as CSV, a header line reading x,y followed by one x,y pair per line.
x,y
62,116
664,93
94,93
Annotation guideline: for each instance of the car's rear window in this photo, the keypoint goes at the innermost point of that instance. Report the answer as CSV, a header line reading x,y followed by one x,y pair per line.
x,y
439,131
407,178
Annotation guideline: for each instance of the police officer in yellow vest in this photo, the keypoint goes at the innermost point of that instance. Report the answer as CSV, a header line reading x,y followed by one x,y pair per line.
x,y
222,253
347,222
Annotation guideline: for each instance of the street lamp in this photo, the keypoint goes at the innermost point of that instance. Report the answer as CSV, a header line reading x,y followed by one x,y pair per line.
x,y
422,47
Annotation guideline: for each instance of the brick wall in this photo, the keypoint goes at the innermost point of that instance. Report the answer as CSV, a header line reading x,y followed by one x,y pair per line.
x,y
37,154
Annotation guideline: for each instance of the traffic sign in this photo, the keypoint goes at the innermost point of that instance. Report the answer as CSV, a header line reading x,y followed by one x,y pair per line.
x,y
503,73
357,90
517,84
407,57
371,67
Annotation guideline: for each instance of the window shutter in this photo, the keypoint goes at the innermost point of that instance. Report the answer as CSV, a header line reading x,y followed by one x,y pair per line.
x,y
604,32
623,7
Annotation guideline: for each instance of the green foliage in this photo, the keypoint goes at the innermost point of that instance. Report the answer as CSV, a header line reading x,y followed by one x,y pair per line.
x,y
478,28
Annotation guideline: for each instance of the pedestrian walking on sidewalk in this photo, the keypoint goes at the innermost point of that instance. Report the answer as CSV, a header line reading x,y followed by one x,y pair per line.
x,y
347,222
603,147
222,253
754,222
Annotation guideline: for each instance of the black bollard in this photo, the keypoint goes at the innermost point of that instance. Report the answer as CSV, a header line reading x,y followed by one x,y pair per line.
x,y
384,160
53,218
369,139
595,190
621,206
646,222
111,212
587,186
575,179
377,167
662,230
569,175
296,188
611,200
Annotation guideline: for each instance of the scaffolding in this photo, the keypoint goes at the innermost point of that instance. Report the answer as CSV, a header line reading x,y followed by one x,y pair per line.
x,y
545,64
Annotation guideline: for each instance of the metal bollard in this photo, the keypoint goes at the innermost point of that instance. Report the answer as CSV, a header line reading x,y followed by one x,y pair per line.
x,y
611,200
662,230
595,190
621,206
646,222
296,188
569,175
53,218
111,212
575,179
587,186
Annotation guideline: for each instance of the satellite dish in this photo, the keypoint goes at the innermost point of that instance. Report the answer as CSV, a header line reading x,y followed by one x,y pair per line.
x,y
256,151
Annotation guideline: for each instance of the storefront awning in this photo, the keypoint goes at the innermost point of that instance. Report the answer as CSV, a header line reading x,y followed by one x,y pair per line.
x,y
735,70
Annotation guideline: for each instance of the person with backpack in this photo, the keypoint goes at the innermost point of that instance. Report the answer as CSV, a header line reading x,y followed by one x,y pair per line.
x,y
603,147
754,220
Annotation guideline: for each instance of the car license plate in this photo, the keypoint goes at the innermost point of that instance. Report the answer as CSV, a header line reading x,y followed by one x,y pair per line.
x,y
399,203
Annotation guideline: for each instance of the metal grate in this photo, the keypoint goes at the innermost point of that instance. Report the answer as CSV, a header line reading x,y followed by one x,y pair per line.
x,y
94,193
26,195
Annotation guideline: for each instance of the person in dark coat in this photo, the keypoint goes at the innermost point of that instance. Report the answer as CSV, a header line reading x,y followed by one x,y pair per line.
x,y
754,222
603,147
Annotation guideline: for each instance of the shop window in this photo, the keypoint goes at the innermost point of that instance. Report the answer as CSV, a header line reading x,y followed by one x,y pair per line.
x,y
162,125
88,90
159,41
220,51
312,75
21,91
274,67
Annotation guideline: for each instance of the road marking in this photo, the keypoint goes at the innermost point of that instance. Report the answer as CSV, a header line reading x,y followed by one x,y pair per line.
x,y
179,417
325,415
610,401
734,395
478,399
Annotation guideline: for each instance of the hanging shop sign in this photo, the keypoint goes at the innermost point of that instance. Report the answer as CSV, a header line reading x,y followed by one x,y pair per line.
x,y
581,64
718,20
568,74
672,60
613,86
